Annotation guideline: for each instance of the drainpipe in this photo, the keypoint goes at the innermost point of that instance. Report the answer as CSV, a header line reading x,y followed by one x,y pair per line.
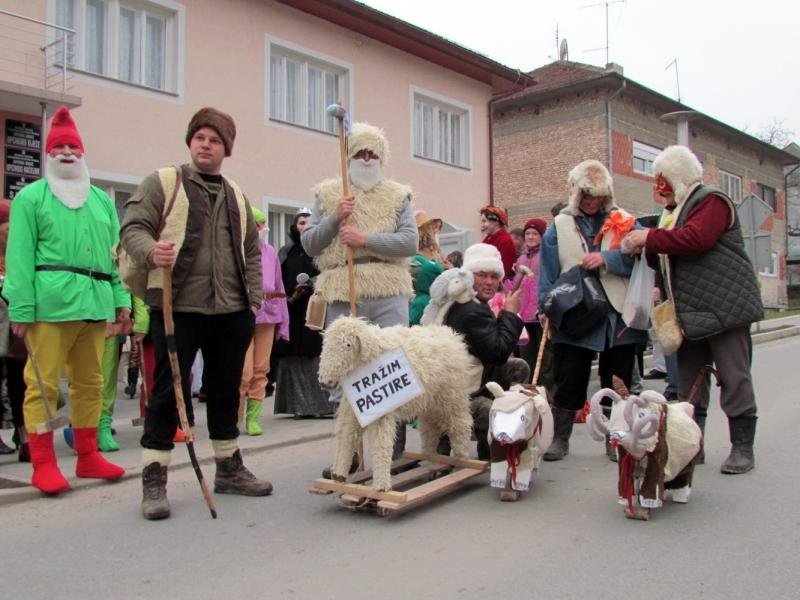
x,y
42,138
608,127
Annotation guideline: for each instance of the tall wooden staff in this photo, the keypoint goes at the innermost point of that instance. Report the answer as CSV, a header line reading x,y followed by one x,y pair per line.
x,y
172,350
338,112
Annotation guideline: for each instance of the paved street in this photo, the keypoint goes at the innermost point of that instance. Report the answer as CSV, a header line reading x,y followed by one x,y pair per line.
x,y
737,538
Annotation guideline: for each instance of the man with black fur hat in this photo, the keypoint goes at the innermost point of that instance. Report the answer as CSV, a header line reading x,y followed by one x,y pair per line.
x,y
198,223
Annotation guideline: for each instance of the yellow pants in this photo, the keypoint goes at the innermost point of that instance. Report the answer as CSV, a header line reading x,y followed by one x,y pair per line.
x,y
78,346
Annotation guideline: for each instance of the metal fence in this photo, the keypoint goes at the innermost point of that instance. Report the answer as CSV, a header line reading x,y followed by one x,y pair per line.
x,y
32,52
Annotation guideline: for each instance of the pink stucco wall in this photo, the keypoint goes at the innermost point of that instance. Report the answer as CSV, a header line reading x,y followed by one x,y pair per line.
x,y
130,132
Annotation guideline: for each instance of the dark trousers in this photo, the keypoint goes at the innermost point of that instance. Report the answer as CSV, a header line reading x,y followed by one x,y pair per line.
x,y
15,384
573,366
224,340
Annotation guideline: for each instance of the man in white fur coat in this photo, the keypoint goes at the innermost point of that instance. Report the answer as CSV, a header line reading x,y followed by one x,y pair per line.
x,y
377,222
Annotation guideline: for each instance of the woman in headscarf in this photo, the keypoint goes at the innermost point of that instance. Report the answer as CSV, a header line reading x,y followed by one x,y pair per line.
x,y
427,265
297,389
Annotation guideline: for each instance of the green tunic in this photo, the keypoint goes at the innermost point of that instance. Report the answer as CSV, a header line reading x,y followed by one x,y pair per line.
x,y
45,232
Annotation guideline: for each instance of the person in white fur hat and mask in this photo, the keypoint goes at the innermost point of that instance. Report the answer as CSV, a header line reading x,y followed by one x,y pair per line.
x,y
490,339
378,223
699,248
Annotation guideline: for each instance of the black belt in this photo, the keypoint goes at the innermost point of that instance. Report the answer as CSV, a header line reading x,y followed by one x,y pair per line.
x,y
79,270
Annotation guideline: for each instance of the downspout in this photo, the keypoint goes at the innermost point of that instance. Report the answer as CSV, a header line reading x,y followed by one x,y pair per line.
x,y
608,127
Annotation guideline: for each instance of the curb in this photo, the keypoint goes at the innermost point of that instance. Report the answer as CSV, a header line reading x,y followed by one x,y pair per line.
x,y
22,494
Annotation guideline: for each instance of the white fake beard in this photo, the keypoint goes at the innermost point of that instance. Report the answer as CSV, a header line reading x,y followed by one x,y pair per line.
x,y
69,182
365,175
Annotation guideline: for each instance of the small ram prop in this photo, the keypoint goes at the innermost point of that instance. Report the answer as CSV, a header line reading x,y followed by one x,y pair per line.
x,y
657,445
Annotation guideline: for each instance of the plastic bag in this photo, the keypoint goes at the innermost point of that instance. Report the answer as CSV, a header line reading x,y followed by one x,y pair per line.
x,y
639,299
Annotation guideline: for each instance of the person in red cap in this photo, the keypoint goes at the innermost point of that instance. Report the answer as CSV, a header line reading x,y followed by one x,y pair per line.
x,y
62,286
494,226
698,246
526,278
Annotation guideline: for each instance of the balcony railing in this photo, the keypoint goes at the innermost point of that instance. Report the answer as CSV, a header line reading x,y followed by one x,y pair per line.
x,y
32,52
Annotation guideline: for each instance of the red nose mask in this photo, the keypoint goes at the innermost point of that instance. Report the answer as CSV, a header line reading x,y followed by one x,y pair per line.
x,y
662,185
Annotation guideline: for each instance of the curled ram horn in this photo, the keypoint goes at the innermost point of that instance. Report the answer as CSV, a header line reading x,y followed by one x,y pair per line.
x,y
632,401
653,396
643,428
596,422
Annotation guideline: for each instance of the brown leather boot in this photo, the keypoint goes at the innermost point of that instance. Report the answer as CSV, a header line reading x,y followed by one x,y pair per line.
x,y
234,478
154,492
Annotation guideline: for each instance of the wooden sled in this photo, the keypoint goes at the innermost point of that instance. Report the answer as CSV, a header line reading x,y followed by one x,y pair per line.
x,y
421,478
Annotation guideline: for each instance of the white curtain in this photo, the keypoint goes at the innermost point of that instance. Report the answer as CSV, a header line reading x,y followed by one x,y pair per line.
x,y
155,38
293,74
95,36
331,97
455,145
127,45
276,87
316,99
65,16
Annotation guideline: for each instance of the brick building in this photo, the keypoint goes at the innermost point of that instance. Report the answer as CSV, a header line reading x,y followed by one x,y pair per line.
x,y
578,111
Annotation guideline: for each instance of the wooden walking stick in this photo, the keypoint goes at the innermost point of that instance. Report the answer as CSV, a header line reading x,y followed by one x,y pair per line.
x,y
53,421
338,112
172,350
538,369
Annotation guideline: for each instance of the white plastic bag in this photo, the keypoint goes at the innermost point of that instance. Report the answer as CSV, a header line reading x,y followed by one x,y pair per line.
x,y
639,299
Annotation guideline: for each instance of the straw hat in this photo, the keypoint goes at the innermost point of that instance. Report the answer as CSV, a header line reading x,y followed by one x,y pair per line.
x,y
423,219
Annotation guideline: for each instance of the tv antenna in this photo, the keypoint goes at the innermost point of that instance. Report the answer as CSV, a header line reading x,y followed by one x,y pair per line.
x,y
677,80
606,4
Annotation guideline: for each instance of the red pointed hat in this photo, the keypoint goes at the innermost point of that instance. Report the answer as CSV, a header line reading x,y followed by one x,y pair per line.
x,y
63,131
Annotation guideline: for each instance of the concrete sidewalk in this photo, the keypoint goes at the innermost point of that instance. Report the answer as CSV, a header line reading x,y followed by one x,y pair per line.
x,y
280,430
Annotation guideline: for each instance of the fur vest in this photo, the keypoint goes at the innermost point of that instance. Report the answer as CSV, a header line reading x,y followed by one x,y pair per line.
x,y
377,276
571,250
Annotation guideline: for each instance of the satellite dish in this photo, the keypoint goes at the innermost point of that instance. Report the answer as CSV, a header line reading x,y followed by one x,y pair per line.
x,y
563,50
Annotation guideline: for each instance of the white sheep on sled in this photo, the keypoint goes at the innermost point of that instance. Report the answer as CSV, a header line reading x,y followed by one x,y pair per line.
x,y
657,445
435,353
520,431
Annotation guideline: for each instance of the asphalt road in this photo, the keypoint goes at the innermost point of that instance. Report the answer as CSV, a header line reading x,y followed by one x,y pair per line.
x,y
738,537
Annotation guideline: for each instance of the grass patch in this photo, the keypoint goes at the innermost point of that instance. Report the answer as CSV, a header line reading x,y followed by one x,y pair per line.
x,y
779,314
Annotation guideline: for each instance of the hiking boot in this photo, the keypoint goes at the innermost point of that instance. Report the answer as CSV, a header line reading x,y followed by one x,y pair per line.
x,y
154,492
234,478
741,459
562,429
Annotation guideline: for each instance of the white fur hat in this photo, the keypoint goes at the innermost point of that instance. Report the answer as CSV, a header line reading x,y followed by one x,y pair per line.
x,y
364,136
681,168
591,177
483,257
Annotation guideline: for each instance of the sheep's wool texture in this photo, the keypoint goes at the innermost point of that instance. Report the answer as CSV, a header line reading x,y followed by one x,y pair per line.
x,y
444,407
592,177
375,212
451,287
681,168
364,136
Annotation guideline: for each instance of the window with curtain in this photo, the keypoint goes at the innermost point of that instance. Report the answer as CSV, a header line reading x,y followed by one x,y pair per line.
x,y
65,16
301,88
131,40
440,132
731,184
643,158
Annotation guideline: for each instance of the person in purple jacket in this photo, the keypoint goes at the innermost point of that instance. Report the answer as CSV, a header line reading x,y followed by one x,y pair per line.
x,y
273,315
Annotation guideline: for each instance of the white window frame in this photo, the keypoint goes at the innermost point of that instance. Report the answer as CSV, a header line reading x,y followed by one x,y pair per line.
x,y
287,207
452,105
725,181
173,16
646,153
307,57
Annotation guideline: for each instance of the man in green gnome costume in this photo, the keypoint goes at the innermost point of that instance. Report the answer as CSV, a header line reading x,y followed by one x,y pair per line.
x,y
377,222
62,287
209,240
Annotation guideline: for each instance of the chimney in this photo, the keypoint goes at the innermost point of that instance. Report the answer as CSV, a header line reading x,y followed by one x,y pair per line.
x,y
614,67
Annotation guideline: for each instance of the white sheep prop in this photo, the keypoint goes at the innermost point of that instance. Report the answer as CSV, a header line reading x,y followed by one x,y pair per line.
x,y
454,286
657,444
520,430
435,354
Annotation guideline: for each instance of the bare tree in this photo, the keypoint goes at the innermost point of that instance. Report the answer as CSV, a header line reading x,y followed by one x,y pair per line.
x,y
776,133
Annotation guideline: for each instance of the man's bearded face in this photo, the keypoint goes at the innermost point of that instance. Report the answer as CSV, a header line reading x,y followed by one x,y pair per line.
x,y
66,162
365,170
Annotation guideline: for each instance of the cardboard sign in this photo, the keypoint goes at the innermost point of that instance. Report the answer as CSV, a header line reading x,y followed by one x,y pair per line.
x,y
380,387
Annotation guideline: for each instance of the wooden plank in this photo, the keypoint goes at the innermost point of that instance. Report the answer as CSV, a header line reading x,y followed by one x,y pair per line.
x,y
421,473
363,491
468,463
428,491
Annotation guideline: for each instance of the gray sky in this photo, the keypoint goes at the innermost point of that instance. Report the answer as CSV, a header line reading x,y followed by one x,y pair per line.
x,y
738,61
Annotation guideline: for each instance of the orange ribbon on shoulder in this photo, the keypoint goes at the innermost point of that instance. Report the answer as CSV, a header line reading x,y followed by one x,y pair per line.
x,y
618,224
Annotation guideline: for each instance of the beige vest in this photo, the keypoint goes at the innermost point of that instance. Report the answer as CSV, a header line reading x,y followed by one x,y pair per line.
x,y
377,276
175,223
572,249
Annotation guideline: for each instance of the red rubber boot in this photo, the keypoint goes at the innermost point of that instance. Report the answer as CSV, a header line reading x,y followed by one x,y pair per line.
x,y
90,463
46,475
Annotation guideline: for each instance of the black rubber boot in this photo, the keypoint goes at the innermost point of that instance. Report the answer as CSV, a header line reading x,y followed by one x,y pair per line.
x,y
700,419
743,433
154,492
562,429
233,477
